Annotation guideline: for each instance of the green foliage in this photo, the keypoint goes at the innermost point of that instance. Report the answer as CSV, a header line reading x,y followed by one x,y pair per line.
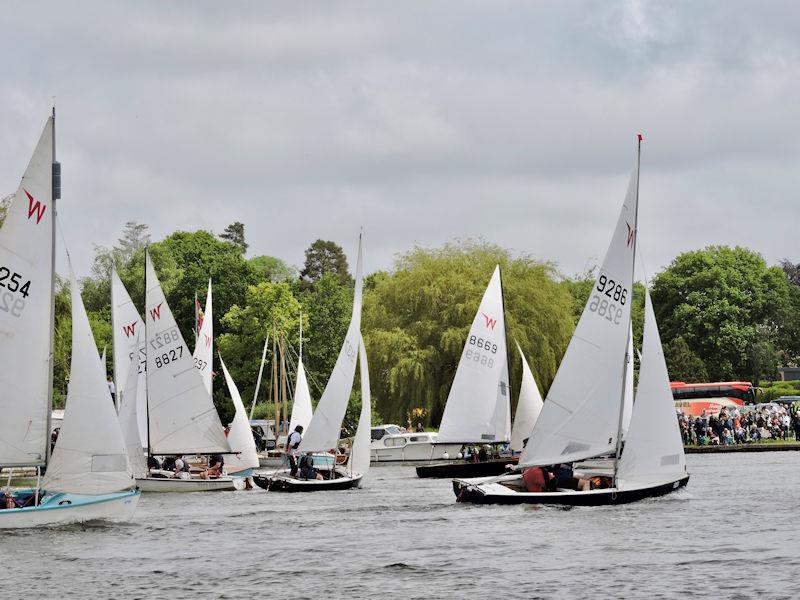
x,y
776,389
234,234
323,258
269,268
416,320
682,363
328,307
724,302
247,326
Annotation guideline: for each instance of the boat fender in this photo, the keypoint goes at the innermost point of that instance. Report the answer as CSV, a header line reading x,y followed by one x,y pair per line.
x,y
65,502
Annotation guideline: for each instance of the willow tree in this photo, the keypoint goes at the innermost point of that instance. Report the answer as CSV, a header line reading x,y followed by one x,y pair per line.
x,y
416,321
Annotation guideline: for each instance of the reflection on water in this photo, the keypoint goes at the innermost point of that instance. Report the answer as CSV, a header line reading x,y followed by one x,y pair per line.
x,y
733,532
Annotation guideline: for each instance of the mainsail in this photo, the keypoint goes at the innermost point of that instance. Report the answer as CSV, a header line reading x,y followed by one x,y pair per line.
x,y
129,350
478,408
653,451
301,406
580,417
240,436
323,430
89,456
26,312
529,405
182,416
204,349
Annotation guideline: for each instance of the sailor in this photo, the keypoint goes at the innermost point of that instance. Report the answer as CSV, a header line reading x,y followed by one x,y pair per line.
x,y
214,470
181,469
307,469
292,453
112,389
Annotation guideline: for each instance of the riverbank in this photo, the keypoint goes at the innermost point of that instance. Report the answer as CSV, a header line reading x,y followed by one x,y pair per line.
x,y
773,446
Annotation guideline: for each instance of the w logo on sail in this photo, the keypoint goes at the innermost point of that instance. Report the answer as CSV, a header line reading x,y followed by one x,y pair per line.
x,y
631,234
490,322
129,329
155,313
34,206
208,340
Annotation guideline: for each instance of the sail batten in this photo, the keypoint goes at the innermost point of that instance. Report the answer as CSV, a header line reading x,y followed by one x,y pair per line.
x,y
26,315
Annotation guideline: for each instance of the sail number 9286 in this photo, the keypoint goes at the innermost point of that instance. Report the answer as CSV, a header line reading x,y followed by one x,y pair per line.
x,y
608,302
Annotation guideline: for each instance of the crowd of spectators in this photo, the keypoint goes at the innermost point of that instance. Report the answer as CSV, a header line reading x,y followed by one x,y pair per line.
x,y
741,426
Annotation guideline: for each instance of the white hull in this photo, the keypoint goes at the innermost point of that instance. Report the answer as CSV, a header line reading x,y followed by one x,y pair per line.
x,y
55,511
166,484
413,452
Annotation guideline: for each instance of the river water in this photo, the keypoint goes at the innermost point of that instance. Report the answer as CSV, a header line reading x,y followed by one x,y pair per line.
x,y
733,533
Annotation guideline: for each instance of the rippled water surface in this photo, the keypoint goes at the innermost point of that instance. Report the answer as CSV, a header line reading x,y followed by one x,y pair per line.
x,y
734,532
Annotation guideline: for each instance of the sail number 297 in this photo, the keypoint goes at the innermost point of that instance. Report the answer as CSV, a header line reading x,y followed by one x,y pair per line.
x,y
608,301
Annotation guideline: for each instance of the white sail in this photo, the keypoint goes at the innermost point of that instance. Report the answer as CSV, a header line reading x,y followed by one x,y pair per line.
x,y
627,401
358,462
325,426
89,456
129,422
204,349
129,342
301,406
529,405
653,451
580,417
26,312
478,408
182,416
240,436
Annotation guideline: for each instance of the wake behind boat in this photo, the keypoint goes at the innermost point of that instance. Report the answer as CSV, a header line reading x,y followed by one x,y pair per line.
x,y
579,421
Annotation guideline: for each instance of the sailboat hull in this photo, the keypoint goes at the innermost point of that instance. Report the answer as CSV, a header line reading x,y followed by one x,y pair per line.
x,y
283,482
492,491
449,470
62,509
168,484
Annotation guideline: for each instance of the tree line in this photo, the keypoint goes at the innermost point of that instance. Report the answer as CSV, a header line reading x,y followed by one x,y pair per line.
x,y
724,314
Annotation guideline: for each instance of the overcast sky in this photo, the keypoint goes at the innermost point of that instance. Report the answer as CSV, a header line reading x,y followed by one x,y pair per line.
x,y
421,121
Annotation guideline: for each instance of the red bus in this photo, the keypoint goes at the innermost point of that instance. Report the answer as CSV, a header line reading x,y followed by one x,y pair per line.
x,y
694,398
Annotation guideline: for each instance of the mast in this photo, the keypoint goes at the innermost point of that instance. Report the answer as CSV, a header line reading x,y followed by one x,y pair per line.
x,y
283,383
55,183
147,387
260,372
274,391
300,359
630,319
118,397
505,333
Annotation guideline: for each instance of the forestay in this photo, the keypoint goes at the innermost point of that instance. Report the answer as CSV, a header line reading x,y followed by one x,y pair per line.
x,y
182,416
89,456
478,408
529,405
129,423
580,417
653,451
204,348
240,436
26,312
129,343
359,460
323,430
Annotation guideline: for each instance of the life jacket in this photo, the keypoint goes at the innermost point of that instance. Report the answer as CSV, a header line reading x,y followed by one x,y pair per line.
x,y
306,462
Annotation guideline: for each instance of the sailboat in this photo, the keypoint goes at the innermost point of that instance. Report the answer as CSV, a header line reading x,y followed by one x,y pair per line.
x,y
182,419
326,423
87,474
478,407
580,421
